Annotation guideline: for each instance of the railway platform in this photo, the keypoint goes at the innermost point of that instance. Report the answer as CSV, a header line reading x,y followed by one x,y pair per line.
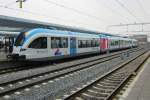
x,y
139,89
3,55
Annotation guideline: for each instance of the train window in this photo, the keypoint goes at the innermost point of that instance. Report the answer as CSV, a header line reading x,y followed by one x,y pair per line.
x,y
117,43
93,43
79,43
64,42
39,43
55,42
83,43
121,42
112,43
59,42
88,43
97,43
20,39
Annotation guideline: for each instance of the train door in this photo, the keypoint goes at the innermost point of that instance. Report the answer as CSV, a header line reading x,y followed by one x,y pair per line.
x,y
73,49
104,44
102,41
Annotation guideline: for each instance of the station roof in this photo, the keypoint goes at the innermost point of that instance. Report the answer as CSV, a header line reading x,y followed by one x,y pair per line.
x,y
13,24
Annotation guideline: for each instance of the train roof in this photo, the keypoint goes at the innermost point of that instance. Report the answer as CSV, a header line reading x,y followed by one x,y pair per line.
x,y
106,34
59,33
73,34
110,36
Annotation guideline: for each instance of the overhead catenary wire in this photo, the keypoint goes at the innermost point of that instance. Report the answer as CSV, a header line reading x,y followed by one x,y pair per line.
x,y
26,11
141,6
78,11
59,18
113,10
125,8
11,3
39,14
33,13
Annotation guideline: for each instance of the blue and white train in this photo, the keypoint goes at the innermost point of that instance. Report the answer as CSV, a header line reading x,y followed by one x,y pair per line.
x,y
46,44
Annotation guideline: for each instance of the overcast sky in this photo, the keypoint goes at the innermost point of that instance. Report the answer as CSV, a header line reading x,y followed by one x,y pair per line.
x,y
91,14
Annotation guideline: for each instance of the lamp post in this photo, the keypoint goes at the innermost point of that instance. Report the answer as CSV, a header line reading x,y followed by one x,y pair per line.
x,y
20,2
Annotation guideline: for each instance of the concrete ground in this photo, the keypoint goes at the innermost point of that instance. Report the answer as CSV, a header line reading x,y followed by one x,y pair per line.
x,y
3,55
139,89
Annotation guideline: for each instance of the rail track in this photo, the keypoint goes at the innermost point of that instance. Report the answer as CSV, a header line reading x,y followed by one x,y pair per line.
x,y
11,86
106,86
10,66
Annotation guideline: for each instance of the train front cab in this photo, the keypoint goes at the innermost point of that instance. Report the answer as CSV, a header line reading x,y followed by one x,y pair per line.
x,y
17,47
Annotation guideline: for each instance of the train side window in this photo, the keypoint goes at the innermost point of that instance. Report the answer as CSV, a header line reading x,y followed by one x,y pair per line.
x,y
83,43
79,43
117,42
39,43
92,43
64,42
97,43
59,42
55,42
88,43
112,43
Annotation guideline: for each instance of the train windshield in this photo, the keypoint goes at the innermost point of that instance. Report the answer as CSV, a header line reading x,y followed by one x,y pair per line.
x,y
20,39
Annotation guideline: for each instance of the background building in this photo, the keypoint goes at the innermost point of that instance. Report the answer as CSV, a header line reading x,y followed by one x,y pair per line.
x,y
141,38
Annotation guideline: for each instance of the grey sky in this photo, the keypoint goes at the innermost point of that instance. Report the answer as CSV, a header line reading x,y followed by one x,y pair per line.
x,y
90,14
